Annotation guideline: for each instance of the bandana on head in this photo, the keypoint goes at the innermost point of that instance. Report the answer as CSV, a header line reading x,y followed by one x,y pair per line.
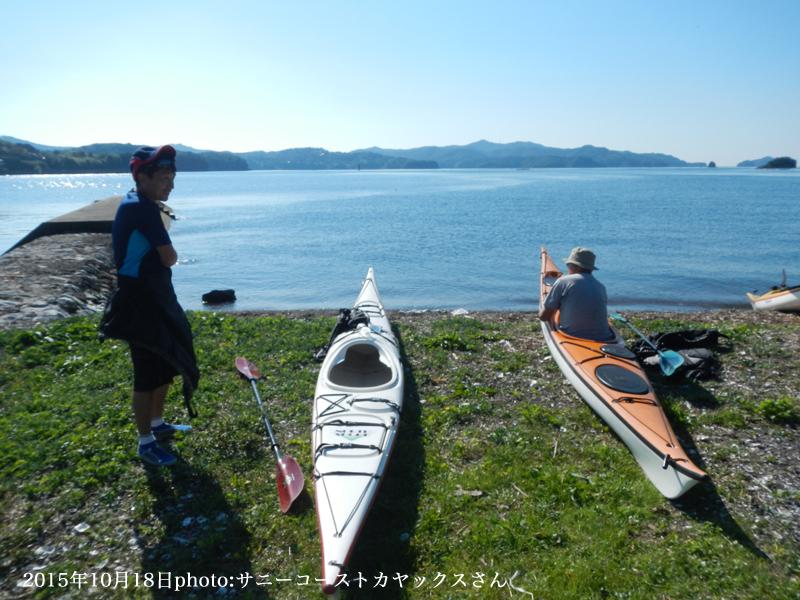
x,y
146,155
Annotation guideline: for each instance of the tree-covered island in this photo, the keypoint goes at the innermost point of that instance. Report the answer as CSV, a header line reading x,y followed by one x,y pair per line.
x,y
784,162
18,157
25,159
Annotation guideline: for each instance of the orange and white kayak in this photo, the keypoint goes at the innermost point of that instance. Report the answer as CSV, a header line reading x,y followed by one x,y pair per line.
x,y
610,380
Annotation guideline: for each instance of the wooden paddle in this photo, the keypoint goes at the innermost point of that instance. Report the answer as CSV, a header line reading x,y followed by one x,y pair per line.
x,y
290,478
668,359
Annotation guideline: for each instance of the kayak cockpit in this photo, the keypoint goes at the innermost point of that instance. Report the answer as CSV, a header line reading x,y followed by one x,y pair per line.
x,y
550,278
360,367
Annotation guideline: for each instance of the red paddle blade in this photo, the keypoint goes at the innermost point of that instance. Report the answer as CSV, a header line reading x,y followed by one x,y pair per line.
x,y
290,481
247,368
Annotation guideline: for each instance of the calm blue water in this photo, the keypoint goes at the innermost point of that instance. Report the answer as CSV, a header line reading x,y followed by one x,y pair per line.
x,y
665,238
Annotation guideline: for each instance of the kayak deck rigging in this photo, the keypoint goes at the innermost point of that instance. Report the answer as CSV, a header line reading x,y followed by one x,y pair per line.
x,y
606,351
350,452
337,533
335,402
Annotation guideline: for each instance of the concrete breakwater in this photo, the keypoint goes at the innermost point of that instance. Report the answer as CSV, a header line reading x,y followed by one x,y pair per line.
x,y
65,267
55,277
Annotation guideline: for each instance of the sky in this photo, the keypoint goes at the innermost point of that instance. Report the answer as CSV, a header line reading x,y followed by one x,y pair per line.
x,y
702,81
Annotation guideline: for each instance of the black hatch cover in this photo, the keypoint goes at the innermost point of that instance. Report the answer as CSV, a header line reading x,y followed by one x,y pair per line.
x,y
618,351
620,379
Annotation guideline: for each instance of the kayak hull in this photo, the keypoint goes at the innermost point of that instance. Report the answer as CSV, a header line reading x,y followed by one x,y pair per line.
x,y
780,299
609,379
356,413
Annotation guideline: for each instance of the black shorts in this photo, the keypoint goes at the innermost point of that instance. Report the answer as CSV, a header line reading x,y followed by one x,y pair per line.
x,y
150,371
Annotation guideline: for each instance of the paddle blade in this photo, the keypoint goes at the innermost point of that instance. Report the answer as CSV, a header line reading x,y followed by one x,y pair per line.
x,y
669,361
290,481
247,368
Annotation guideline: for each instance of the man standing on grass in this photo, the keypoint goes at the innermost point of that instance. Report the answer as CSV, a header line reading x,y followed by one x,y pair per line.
x,y
143,309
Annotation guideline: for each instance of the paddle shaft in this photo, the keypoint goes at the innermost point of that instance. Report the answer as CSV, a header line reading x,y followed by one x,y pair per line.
x,y
287,471
275,448
641,335
668,360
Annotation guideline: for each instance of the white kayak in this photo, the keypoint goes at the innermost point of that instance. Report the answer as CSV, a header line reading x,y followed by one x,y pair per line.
x,y
356,413
785,299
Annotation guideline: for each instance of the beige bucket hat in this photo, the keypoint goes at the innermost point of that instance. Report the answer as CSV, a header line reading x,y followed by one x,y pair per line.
x,y
583,257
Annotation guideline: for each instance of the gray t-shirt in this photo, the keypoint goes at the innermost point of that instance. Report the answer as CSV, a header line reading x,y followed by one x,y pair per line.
x,y
582,302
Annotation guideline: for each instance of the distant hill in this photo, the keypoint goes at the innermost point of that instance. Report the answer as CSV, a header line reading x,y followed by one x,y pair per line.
x,y
13,140
755,163
131,148
784,162
95,148
483,154
27,159
319,158
20,157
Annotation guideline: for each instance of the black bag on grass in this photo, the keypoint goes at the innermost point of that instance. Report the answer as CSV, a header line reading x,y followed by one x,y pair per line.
x,y
683,340
691,344
676,340
698,363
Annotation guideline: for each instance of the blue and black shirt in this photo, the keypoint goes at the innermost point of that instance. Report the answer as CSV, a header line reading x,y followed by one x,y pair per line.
x,y
137,231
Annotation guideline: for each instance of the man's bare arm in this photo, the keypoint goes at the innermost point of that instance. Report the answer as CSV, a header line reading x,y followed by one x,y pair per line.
x,y
546,313
167,254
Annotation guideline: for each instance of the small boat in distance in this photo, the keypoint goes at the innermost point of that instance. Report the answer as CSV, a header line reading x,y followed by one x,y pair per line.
x,y
778,298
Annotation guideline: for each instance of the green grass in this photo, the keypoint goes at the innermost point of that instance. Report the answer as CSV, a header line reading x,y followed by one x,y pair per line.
x,y
551,495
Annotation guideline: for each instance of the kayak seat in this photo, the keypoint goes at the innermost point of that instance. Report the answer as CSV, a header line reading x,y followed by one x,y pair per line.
x,y
361,368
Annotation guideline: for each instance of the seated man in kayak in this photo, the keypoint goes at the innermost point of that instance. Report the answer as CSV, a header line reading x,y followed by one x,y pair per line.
x,y
580,298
